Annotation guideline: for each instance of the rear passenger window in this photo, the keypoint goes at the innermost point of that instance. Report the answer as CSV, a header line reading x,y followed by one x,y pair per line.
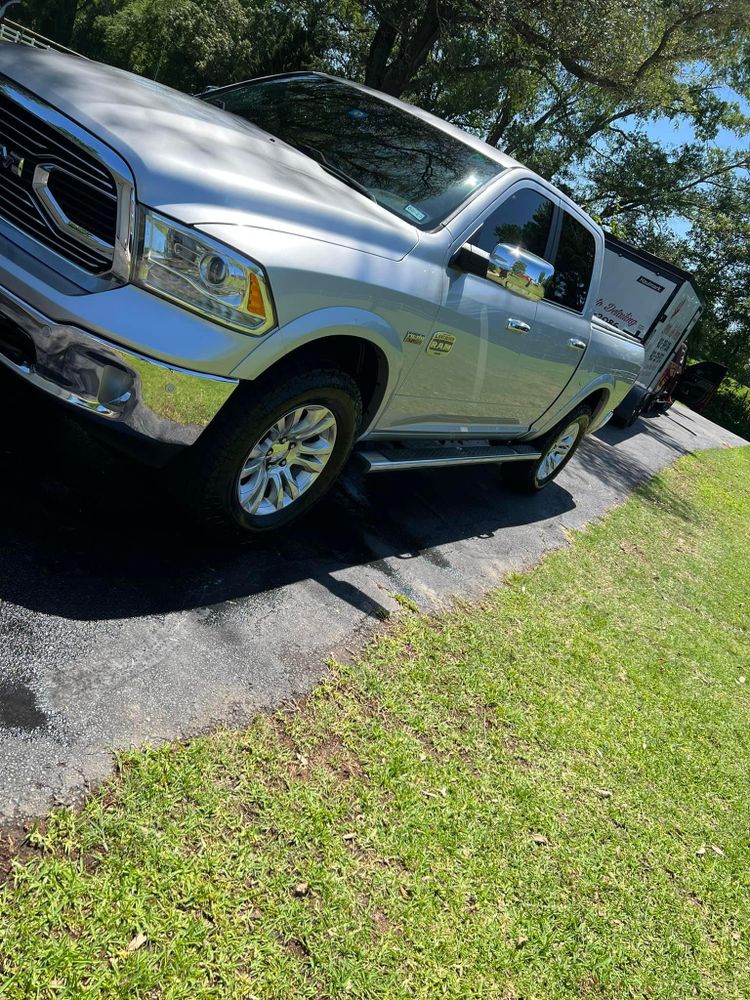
x,y
574,265
523,220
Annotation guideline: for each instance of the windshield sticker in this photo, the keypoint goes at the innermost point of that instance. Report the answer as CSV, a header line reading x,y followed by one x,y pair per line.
x,y
357,114
415,213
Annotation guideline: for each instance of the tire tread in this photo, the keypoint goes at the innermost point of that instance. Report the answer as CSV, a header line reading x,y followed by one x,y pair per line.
x,y
200,479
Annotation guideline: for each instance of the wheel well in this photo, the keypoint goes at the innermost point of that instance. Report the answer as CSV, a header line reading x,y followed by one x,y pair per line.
x,y
364,361
596,401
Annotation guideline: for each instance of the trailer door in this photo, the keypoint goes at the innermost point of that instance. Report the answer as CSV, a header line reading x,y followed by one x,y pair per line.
x,y
632,295
699,384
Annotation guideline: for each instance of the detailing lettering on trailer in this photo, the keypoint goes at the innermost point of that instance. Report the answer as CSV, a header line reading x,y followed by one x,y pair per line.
x,y
650,284
667,313
612,310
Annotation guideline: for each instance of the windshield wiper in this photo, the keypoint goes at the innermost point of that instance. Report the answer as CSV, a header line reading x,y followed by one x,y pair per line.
x,y
319,157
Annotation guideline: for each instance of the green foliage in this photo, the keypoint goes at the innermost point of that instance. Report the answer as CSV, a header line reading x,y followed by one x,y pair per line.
x,y
189,45
730,407
569,89
180,42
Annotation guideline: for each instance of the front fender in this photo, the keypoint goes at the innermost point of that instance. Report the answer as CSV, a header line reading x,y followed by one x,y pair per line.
x,y
332,321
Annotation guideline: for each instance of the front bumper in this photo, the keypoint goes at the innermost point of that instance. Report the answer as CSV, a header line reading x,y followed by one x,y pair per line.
x,y
151,399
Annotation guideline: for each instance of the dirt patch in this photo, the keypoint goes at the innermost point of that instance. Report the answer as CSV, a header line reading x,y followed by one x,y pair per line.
x,y
297,948
381,923
14,847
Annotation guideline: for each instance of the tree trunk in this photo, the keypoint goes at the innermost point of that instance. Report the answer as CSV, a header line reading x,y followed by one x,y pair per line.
x,y
57,22
380,51
393,72
499,124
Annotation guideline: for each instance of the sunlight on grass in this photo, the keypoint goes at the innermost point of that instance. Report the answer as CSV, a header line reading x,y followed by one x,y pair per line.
x,y
544,796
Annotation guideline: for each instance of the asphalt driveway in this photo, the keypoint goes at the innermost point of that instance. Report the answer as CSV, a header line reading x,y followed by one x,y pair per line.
x,y
118,627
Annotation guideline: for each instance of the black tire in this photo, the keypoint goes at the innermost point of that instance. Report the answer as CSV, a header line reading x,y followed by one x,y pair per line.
x,y
525,477
631,407
206,481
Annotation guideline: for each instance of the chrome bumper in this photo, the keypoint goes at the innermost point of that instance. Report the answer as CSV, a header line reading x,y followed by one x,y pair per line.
x,y
150,398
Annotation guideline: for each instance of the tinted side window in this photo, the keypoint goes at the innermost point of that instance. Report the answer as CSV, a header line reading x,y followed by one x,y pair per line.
x,y
523,220
574,265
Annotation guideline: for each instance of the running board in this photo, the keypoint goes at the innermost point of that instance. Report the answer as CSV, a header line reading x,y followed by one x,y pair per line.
x,y
390,459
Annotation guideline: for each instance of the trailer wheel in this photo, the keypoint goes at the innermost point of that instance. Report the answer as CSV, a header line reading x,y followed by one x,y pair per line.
x,y
631,407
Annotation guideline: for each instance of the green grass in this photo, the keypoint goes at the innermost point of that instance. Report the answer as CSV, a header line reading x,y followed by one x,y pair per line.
x,y
544,796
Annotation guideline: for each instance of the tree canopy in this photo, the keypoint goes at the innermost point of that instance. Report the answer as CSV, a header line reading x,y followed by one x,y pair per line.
x,y
572,90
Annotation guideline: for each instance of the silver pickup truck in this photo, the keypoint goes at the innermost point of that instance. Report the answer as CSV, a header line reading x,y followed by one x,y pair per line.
x,y
255,283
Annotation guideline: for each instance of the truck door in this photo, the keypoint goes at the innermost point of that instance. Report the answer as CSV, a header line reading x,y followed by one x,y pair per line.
x,y
563,327
480,363
532,346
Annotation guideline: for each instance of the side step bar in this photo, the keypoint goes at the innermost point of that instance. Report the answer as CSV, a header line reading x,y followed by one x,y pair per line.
x,y
387,458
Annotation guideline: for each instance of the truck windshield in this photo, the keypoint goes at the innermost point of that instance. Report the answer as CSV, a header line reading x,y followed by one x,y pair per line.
x,y
408,166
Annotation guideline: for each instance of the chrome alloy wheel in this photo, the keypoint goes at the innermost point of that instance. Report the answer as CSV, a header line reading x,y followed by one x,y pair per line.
x,y
558,452
287,459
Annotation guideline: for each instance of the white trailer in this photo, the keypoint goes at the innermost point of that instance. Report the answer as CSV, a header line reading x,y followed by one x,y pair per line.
x,y
652,300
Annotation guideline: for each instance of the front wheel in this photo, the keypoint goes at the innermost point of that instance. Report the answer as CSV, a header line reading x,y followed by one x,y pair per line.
x,y
272,454
557,448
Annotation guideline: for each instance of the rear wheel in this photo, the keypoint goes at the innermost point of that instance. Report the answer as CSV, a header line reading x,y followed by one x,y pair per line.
x,y
634,404
557,448
271,456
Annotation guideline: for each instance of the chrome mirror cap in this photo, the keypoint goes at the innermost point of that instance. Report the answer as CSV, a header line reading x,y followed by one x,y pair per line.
x,y
519,271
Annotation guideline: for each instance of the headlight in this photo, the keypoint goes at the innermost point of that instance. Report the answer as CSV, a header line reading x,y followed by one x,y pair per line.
x,y
202,274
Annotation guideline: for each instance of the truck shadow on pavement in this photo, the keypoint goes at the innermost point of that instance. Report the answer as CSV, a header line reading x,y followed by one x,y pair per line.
x,y
87,534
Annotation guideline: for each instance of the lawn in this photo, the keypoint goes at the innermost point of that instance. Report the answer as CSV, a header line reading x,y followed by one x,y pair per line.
x,y
544,796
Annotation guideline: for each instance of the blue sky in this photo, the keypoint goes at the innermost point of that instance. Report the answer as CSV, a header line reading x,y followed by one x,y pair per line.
x,y
675,131
678,130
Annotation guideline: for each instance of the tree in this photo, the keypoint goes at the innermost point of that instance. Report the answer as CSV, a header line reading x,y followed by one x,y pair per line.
x,y
717,249
569,89
190,45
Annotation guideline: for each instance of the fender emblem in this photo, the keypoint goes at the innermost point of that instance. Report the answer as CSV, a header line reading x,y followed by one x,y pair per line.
x,y
441,343
414,338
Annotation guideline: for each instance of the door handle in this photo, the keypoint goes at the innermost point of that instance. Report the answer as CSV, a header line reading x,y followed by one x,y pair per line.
x,y
517,326
576,344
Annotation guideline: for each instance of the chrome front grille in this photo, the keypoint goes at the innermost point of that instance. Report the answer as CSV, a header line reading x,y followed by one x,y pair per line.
x,y
56,188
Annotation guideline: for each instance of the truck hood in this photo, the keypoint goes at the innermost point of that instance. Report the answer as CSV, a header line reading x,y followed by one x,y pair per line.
x,y
201,165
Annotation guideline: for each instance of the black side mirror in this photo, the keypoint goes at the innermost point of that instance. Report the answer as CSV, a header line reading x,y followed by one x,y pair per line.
x,y
471,260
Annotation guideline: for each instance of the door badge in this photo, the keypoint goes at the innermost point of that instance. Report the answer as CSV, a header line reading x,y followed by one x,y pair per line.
x,y
441,343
